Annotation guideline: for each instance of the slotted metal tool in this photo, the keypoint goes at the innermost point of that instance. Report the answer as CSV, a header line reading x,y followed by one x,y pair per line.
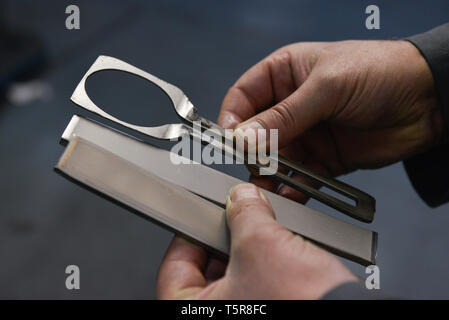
x,y
364,206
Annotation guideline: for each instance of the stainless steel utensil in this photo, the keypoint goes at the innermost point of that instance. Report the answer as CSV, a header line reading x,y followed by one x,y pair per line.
x,y
364,206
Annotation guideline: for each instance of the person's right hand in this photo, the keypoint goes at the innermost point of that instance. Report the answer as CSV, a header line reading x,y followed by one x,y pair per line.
x,y
339,106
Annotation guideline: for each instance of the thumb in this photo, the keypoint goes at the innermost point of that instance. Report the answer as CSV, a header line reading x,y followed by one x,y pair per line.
x,y
248,213
303,109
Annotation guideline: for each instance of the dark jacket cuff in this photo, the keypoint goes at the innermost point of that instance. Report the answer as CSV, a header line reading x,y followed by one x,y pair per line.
x,y
429,172
434,47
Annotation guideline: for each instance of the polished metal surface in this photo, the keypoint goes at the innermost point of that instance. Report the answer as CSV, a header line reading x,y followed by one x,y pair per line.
x,y
140,190
345,239
169,131
364,206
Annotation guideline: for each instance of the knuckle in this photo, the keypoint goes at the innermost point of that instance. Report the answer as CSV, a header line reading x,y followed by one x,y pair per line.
x,y
337,75
283,114
334,83
329,78
233,91
269,61
280,56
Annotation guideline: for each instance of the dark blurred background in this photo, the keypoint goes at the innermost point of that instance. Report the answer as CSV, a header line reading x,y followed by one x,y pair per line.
x,y
47,223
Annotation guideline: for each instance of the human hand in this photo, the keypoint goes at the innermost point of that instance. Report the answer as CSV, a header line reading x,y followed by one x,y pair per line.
x,y
338,106
266,261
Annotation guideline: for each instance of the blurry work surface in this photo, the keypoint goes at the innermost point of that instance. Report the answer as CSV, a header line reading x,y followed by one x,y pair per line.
x,y
47,223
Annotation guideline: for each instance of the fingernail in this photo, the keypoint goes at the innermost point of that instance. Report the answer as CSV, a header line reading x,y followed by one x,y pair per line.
x,y
244,191
248,131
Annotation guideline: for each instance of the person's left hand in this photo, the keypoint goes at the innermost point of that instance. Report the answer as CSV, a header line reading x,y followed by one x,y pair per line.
x,y
267,261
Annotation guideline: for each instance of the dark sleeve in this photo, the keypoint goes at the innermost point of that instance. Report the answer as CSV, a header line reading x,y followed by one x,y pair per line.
x,y
354,291
429,171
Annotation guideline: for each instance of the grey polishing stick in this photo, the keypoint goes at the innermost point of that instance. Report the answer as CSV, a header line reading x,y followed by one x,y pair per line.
x,y
134,173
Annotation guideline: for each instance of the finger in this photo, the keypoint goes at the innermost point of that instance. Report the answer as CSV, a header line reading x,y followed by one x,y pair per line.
x,y
299,153
215,269
264,182
247,212
265,83
298,196
297,113
180,274
282,77
320,143
294,151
